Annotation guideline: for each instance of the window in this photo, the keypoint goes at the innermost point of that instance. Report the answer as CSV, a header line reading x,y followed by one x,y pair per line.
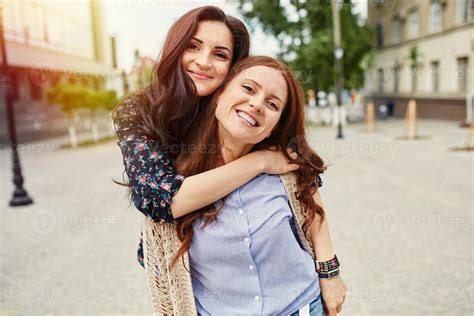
x,y
436,16
435,76
413,24
465,10
379,34
396,78
462,74
396,30
380,79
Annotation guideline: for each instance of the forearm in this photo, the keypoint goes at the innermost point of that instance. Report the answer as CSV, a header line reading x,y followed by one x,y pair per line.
x,y
206,188
320,235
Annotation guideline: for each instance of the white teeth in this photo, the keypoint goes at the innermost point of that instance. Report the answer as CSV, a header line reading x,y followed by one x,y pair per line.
x,y
250,120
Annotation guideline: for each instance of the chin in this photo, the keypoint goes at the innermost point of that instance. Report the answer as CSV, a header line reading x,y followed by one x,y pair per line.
x,y
204,92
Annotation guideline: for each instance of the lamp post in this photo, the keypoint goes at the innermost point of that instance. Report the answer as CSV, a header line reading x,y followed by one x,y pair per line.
x,y
20,196
338,54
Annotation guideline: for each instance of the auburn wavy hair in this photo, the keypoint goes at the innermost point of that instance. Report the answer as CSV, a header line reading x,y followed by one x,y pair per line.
x,y
170,103
290,132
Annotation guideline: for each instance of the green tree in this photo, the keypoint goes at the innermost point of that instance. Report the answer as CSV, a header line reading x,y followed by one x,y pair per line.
x,y
69,97
304,32
96,100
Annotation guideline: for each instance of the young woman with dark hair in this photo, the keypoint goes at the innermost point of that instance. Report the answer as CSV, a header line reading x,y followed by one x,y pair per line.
x,y
199,50
245,253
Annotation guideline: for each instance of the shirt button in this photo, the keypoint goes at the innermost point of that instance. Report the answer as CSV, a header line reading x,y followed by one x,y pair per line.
x,y
241,211
246,240
257,298
251,267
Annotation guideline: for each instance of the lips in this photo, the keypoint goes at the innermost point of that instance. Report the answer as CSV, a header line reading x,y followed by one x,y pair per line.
x,y
247,118
199,75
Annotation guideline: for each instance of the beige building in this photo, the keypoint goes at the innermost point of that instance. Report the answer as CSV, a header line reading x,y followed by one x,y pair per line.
x,y
425,50
51,41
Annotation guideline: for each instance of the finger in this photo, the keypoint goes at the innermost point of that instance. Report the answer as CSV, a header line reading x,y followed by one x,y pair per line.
x,y
293,167
294,155
272,147
289,150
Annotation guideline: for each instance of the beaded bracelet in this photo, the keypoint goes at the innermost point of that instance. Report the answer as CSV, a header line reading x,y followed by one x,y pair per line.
x,y
327,266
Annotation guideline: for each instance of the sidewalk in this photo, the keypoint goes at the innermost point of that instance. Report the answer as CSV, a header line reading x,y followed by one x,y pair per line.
x,y
400,213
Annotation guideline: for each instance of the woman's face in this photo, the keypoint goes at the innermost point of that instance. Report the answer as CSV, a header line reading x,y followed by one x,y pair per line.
x,y
208,57
251,104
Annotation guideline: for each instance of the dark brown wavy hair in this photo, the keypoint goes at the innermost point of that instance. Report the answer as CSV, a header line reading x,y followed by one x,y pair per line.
x,y
290,132
170,104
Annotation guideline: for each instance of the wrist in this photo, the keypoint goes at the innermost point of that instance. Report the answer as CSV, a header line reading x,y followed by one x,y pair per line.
x,y
255,163
328,269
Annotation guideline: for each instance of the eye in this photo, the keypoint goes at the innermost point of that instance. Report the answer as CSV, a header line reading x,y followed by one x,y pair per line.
x,y
248,88
193,46
221,55
273,105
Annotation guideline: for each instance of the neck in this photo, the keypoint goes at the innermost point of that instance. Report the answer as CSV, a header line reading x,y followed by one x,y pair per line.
x,y
232,149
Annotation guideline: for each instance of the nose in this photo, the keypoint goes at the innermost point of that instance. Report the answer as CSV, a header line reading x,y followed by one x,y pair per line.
x,y
203,60
256,103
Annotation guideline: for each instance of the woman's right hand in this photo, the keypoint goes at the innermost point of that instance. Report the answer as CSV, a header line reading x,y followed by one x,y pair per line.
x,y
273,161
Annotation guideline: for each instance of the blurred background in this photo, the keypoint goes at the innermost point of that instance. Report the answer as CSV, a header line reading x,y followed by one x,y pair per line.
x,y
389,106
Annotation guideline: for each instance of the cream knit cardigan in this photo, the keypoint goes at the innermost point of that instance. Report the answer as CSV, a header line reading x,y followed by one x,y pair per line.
x,y
171,291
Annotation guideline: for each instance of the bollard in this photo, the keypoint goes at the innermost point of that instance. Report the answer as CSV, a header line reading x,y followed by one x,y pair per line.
x,y
470,136
410,119
369,116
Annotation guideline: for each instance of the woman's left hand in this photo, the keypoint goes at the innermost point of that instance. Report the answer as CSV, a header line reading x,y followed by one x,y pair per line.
x,y
333,292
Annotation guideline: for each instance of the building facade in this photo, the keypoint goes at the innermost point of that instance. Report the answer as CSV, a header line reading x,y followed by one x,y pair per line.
x,y
47,42
424,50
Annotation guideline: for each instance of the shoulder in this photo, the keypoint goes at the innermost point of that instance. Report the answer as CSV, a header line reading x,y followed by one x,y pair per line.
x,y
126,117
290,181
267,183
128,107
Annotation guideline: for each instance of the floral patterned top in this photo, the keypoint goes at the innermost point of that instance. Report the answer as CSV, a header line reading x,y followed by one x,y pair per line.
x,y
152,177
151,174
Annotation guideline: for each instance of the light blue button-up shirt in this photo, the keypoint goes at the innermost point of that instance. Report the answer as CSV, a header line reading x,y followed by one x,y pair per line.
x,y
249,261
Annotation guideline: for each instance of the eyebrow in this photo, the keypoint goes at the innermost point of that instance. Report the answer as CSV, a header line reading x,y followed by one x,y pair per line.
x,y
260,86
219,47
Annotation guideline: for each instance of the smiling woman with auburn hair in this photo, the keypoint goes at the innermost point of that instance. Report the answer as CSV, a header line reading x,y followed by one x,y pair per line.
x,y
256,251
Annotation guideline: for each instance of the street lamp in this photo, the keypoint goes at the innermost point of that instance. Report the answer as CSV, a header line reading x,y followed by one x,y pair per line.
x,y
20,196
338,54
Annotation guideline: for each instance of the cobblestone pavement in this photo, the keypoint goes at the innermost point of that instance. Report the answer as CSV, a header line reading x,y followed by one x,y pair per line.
x,y
400,213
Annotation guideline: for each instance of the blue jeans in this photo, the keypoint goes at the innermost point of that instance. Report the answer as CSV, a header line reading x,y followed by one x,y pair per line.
x,y
315,308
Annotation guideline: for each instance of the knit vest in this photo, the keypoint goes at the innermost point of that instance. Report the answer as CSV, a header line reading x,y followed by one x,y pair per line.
x,y
171,290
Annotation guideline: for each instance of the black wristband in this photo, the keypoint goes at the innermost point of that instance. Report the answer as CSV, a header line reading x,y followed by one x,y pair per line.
x,y
328,275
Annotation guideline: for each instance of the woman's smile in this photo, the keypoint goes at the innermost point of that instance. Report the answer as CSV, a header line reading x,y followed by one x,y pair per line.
x,y
247,119
199,75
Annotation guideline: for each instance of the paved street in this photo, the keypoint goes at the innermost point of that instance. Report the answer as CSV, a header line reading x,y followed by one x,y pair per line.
x,y
400,213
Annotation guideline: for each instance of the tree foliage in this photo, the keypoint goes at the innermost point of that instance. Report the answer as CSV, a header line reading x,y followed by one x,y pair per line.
x,y
305,35
71,97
